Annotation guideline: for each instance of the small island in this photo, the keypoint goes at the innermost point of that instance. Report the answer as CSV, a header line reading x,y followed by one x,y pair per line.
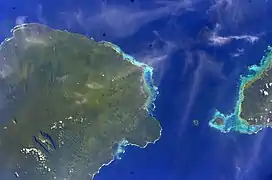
x,y
67,102
253,108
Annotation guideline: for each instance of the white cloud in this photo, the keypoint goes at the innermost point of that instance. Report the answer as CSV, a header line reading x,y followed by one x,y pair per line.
x,y
238,52
234,13
222,40
158,57
20,20
40,16
247,163
217,40
206,65
122,21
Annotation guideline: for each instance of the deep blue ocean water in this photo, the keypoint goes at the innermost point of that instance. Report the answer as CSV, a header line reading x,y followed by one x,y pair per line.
x,y
193,76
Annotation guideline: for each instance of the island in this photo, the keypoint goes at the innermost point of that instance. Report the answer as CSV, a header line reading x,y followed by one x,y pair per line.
x,y
69,103
253,108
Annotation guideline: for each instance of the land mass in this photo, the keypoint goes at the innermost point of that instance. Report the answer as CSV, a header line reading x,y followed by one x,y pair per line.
x,y
253,109
66,101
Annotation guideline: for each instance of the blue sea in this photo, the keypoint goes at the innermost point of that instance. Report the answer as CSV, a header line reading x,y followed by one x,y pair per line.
x,y
198,49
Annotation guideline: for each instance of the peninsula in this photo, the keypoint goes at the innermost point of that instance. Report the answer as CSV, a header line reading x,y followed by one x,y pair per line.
x,y
66,102
253,108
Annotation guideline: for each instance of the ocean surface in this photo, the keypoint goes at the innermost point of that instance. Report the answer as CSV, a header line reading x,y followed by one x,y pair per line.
x,y
198,50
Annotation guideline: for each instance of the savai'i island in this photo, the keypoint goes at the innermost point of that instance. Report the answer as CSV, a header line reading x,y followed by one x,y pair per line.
x,y
70,104
253,108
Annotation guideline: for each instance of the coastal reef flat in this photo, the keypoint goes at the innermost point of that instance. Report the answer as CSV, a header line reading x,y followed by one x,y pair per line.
x,y
253,108
66,101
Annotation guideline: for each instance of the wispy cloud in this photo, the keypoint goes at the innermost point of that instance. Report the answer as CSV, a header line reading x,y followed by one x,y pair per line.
x,y
158,57
247,163
205,65
40,16
238,52
221,40
20,20
217,40
234,13
122,21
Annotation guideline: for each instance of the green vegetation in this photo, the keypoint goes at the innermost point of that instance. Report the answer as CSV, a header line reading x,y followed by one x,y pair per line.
x,y
82,93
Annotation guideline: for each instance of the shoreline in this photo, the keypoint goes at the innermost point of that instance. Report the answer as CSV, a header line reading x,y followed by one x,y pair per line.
x,y
233,121
147,77
150,103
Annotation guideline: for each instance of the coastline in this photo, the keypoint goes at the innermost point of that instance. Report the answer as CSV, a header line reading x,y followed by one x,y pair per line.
x,y
149,106
147,77
233,121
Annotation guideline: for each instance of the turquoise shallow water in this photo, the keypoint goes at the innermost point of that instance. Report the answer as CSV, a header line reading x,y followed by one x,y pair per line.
x,y
233,121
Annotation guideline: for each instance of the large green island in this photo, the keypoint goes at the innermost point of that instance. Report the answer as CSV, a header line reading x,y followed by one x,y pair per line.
x,y
253,108
67,102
